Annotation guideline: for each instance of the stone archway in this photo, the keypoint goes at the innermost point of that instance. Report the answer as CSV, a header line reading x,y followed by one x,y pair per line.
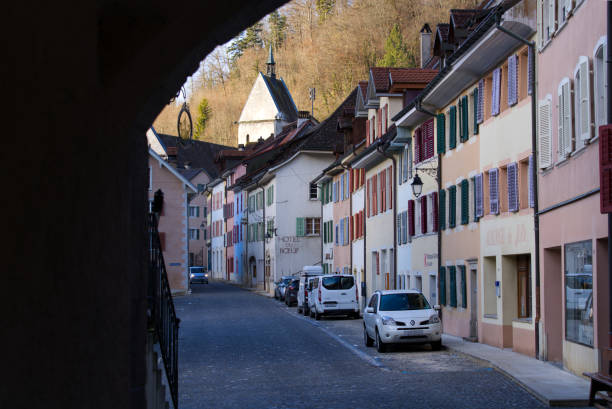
x,y
86,83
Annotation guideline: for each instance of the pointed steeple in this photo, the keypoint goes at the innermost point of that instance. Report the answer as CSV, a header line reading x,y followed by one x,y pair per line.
x,y
271,64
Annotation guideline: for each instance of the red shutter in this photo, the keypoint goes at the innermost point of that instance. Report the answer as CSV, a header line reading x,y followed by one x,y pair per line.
x,y
374,196
391,185
368,189
411,217
423,214
383,191
351,180
605,168
377,264
417,145
351,227
434,203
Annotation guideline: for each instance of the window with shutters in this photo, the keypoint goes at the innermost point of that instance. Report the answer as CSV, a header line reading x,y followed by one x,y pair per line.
x,y
582,102
440,130
442,210
390,186
424,214
194,211
442,283
452,273
452,206
465,201
313,226
478,197
600,84
513,188
545,132
473,120
564,7
523,73
458,285
411,223
513,79
546,24
496,91
564,114
270,196
452,129
405,227
417,217
433,212
524,183
493,191
465,118
481,101
502,191
463,286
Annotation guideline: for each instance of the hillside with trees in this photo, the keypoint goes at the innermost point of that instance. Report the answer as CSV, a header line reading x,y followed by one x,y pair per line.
x,y
325,44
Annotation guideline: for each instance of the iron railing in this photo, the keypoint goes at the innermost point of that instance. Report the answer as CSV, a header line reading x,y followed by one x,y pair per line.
x,y
162,316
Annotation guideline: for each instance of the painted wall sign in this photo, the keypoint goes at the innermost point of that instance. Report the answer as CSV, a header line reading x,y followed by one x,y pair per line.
x,y
507,235
289,245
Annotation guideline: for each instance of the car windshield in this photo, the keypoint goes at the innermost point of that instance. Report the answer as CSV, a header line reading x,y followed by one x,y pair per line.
x,y
338,283
403,302
197,270
287,281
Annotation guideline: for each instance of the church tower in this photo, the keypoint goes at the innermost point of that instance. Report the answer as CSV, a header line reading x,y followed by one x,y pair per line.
x,y
271,64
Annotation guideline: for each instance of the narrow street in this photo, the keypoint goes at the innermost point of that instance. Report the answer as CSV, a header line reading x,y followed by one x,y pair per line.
x,y
239,349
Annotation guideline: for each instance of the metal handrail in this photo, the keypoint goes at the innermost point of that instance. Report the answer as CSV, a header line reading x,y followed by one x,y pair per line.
x,y
162,315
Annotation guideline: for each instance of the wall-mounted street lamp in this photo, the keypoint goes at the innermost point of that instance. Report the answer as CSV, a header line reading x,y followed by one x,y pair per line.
x,y
417,183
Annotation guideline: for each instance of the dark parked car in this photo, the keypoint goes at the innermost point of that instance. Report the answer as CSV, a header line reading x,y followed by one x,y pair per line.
x,y
291,293
279,290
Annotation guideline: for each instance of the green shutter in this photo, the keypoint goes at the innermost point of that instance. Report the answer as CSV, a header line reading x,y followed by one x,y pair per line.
x,y
441,129
452,206
299,226
453,285
442,280
465,201
271,195
476,111
463,287
442,209
465,118
452,130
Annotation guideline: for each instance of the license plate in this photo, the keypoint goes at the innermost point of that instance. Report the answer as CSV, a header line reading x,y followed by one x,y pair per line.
x,y
414,332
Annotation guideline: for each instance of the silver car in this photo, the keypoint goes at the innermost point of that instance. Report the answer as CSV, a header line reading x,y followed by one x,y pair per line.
x,y
400,316
198,275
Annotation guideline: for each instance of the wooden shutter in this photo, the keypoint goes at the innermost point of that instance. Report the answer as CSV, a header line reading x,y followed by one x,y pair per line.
x,y
434,204
531,197
452,206
465,118
513,198
585,99
493,192
411,217
465,201
551,20
417,145
442,281
442,210
390,186
383,190
495,91
512,80
463,287
478,196
377,263
368,197
545,133
452,130
605,168
423,214
429,138
405,227
480,111
374,195
453,285
565,119
398,228
475,110
299,226
441,128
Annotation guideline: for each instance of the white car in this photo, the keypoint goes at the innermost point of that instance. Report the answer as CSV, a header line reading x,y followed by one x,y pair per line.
x,y
400,316
336,294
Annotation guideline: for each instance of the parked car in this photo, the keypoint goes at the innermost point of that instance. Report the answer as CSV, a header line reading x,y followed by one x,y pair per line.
x,y
314,285
336,294
400,316
306,275
279,290
198,275
291,292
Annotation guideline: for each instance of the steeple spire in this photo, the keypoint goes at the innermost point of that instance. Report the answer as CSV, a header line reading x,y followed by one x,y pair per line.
x,y
271,64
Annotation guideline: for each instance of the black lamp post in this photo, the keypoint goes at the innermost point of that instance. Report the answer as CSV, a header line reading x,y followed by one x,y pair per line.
x,y
417,185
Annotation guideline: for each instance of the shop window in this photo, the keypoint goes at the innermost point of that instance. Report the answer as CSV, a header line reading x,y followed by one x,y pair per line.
x,y
579,293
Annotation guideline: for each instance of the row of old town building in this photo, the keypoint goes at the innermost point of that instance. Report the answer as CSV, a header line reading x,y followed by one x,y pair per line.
x,y
472,178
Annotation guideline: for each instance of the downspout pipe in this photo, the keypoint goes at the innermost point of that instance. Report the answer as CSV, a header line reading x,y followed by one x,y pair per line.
x,y
350,214
420,108
534,153
609,121
394,193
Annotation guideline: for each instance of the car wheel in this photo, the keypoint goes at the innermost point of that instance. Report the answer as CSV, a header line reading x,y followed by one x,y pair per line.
x,y
311,313
317,315
380,346
366,338
306,312
436,346
356,315
299,310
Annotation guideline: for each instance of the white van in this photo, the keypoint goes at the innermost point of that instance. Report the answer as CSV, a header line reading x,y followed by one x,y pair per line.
x,y
336,294
303,291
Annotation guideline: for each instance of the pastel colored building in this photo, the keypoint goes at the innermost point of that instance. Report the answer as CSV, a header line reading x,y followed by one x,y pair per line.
x,y
571,94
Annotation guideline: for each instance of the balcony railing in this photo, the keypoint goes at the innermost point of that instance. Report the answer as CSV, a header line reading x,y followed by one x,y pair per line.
x,y
162,316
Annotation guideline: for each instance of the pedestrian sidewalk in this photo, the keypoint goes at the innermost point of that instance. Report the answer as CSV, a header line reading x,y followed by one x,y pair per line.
x,y
552,385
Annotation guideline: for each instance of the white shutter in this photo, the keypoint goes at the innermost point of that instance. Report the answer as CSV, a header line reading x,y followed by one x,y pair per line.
x,y
568,7
531,197
567,117
496,91
585,99
545,133
540,16
512,80
551,18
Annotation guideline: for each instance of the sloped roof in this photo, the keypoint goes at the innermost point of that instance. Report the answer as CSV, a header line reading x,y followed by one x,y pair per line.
x,y
195,154
442,30
411,75
460,18
363,86
380,78
282,98
189,173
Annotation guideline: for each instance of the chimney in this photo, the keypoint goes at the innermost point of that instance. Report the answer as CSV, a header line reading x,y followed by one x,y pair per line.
x,y
303,116
171,152
425,44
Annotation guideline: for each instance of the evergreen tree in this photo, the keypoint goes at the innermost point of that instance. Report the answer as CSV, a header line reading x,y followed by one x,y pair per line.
x,y
396,52
278,28
204,114
251,38
325,8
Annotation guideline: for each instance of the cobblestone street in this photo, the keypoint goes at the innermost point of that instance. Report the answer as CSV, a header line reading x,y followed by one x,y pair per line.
x,y
241,350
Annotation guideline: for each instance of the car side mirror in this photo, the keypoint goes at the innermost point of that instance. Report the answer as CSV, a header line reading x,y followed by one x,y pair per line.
x,y
370,310
437,307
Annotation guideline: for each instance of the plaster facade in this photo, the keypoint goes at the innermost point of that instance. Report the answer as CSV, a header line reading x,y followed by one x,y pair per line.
x,y
218,231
